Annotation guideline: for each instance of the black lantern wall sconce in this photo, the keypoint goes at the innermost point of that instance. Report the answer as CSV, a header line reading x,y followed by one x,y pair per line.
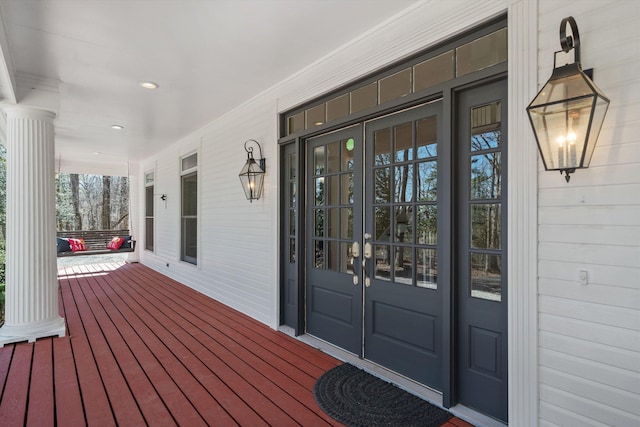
x,y
567,113
252,173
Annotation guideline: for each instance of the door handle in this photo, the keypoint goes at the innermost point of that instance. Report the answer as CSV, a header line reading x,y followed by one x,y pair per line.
x,y
355,252
366,256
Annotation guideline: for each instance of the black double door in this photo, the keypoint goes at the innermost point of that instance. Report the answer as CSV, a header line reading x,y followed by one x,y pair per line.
x,y
393,236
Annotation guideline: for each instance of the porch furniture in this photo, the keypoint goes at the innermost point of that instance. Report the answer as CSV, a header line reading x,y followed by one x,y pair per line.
x,y
96,241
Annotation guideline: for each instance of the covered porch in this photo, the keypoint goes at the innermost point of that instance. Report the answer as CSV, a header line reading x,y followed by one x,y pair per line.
x,y
143,349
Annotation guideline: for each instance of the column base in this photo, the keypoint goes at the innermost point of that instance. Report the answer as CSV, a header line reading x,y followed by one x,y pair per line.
x,y
31,332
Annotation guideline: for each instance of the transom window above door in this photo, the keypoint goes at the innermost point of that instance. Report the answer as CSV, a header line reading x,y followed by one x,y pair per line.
x,y
416,75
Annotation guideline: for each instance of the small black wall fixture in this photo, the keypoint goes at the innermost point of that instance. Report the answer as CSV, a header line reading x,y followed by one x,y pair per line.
x,y
567,113
163,197
252,173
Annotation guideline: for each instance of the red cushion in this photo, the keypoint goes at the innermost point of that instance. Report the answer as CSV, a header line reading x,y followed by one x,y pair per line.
x,y
115,243
77,245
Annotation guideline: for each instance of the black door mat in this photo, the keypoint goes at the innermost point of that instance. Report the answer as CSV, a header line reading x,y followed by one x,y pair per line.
x,y
357,398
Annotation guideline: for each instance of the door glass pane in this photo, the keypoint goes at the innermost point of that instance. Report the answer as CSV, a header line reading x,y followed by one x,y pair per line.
x,y
348,146
486,175
395,86
486,276
319,253
292,222
427,225
318,160
319,197
292,166
485,140
319,222
403,263
382,144
426,268
333,190
346,223
347,188
383,224
433,71
292,194
338,107
383,185
404,224
382,266
482,53
364,97
296,122
347,254
315,116
333,157
427,137
292,250
333,220
427,181
486,222
403,183
403,143
334,261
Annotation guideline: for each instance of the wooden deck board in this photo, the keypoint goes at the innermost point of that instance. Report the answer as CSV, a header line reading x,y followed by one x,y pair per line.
x,y
13,407
262,373
67,390
142,349
42,409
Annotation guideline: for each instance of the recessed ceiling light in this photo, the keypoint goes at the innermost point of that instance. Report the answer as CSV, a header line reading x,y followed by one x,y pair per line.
x,y
149,85
117,127
96,153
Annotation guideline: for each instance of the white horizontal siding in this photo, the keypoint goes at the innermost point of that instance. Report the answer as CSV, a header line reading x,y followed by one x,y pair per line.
x,y
589,335
239,240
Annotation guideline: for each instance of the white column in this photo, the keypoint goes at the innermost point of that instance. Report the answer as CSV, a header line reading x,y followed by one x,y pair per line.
x,y
31,303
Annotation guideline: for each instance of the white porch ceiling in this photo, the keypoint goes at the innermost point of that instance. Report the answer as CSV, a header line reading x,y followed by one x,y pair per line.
x,y
207,56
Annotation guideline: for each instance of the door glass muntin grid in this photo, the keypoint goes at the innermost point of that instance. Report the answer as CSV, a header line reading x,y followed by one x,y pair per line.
x,y
333,211
404,202
485,202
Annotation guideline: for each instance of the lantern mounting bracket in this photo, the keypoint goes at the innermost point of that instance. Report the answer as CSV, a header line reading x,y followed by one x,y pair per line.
x,y
249,150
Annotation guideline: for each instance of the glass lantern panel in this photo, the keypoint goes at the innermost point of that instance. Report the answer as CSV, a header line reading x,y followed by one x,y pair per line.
x,y
561,130
598,118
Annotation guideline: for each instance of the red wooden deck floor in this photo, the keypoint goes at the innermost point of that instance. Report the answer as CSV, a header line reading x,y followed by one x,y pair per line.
x,y
142,349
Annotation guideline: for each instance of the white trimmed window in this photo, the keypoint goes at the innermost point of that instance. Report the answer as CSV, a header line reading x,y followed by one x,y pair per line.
x,y
189,209
148,215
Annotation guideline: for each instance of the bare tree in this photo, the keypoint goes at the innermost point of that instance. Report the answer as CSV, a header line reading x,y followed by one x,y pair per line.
x,y
106,203
75,200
